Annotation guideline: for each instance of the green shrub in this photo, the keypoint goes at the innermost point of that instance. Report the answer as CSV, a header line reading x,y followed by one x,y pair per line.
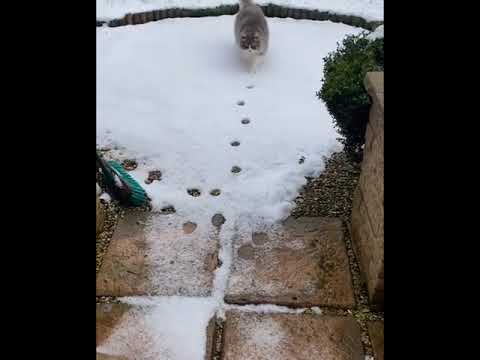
x,y
343,90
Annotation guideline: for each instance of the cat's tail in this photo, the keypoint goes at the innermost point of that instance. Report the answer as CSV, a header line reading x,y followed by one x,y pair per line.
x,y
244,3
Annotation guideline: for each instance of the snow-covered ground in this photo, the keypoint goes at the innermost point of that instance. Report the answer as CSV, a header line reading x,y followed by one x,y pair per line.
x,y
370,10
168,95
377,34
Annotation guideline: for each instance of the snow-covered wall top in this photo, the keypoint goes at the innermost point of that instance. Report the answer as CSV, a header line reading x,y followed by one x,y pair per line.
x,y
370,10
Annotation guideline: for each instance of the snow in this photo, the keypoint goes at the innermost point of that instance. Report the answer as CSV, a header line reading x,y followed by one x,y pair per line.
x,y
222,273
117,180
370,10
263,335
377,34
167,96
105,197
169,328
265,309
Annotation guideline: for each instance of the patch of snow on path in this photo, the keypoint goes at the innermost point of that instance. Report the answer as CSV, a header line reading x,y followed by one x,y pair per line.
x,y
168,328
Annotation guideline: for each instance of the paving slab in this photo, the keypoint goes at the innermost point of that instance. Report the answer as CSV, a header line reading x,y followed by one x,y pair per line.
x,y
302,262
249,335
158,254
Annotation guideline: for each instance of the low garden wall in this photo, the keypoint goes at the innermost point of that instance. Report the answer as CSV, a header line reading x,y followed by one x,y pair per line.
x,y
368,210
270,10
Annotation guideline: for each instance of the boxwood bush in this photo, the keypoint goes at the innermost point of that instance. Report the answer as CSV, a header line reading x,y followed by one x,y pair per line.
x,y
343,87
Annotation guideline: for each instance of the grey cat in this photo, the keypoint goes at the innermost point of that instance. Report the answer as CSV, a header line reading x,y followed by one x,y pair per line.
x,y
251,33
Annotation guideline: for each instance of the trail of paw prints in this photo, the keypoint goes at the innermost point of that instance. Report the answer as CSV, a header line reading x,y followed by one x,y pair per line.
x,y
217,219
156,175
244,121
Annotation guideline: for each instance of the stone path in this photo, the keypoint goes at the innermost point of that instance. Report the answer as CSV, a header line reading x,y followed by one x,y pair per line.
x,y
301,263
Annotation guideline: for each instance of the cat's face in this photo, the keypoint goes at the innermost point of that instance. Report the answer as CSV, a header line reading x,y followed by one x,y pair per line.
x,y
250,41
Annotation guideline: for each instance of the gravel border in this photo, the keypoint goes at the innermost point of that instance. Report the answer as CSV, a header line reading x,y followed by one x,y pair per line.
x,y
331,193
112,214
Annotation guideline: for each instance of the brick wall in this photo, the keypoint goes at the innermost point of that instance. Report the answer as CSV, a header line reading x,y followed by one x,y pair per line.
x,y
368,212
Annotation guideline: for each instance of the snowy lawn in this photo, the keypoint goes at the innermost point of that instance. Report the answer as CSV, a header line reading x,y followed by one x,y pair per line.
x,y
370,10
168,93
